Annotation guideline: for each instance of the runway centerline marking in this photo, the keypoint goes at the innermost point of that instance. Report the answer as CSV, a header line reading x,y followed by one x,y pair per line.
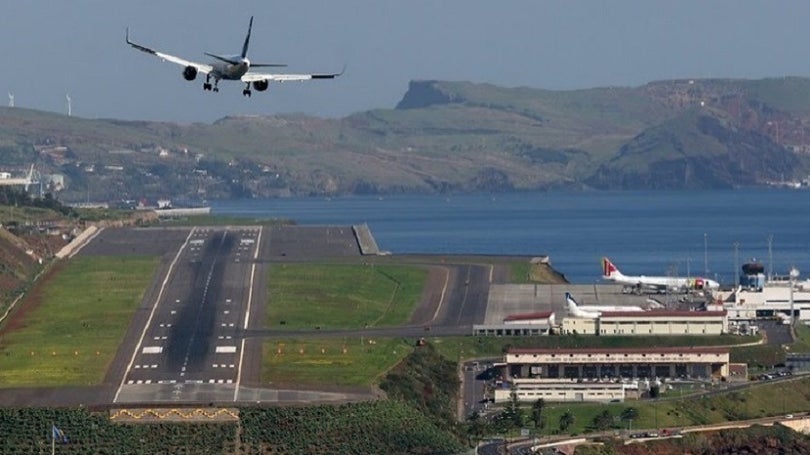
x,y
193,337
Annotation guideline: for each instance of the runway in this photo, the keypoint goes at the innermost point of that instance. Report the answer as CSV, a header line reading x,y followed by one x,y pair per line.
x,y
190,341
187,351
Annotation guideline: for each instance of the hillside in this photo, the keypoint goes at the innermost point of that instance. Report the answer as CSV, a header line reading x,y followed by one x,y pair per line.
x,y
441,137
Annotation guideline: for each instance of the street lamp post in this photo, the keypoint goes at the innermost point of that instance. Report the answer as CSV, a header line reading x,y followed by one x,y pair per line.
x,y
734,279
794,274
705,255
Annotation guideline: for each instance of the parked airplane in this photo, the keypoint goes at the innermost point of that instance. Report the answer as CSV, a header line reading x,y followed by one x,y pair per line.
x,y
658,283
593,311
231,68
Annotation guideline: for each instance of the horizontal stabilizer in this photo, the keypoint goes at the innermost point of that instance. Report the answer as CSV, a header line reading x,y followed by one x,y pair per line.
x,y
224,59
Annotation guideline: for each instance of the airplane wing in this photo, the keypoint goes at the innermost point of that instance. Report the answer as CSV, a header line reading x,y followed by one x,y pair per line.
x,y
202,68
254,77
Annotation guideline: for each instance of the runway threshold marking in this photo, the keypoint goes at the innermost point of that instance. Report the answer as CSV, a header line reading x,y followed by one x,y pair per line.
x,y
247,313
152,313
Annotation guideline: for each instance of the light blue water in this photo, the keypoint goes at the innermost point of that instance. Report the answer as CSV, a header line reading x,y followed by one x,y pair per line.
x,y
652,233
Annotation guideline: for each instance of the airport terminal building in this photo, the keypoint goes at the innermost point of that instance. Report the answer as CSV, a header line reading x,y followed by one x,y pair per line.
x,y
603,374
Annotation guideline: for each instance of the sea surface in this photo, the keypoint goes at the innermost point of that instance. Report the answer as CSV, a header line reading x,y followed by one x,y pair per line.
x,y
684,233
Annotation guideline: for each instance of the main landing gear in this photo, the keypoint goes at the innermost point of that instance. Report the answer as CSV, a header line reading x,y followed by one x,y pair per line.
x,y
246,91
207,84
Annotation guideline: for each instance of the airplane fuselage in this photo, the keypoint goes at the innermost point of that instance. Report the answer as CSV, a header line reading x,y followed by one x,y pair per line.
x,y
665,282
611,272
227,71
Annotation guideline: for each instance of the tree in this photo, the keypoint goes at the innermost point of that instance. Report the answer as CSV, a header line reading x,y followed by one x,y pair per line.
x,y
603,420
655,391
475,426
566,420
537,413
513,409
629,414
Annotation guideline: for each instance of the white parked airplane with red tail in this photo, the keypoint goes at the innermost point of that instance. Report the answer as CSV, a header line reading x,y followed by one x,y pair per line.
x,y
659,283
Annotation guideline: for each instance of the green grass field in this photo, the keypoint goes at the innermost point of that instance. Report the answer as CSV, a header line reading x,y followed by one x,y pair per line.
x,y
72,334
761,400
342,295
331,361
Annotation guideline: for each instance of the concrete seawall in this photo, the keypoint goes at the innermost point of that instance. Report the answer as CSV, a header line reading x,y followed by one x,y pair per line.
x,y
368,246
77,242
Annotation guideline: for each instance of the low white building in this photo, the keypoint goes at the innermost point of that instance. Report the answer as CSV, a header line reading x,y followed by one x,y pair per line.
x,y
771,301
580,326
523,324
533,389
661,322
654,322
542,318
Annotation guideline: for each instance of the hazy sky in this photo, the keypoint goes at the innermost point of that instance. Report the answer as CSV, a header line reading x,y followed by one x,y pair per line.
x,y
49,48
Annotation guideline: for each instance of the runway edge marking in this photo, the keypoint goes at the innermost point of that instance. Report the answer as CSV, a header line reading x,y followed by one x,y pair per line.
x,y
247,313
152,313
444,291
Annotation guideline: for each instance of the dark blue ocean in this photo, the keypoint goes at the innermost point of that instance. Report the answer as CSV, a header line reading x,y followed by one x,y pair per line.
x,y
683,233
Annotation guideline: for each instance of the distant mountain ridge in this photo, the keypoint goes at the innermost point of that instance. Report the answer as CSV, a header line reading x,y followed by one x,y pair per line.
x,y
441,137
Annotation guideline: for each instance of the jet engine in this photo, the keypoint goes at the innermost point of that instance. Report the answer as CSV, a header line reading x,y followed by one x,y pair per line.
x,y
190,73
261,85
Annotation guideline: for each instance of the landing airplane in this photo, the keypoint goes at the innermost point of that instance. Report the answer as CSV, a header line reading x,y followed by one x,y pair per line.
x,y
231,68
593,311
658,283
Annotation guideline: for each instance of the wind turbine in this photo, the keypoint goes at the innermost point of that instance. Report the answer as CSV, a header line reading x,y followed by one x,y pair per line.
x,y
67,97
10,99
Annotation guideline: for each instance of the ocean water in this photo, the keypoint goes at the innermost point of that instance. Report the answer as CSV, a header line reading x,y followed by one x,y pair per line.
x,y
695,233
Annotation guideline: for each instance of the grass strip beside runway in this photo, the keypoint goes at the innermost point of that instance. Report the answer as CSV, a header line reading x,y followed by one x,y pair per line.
x,y
74,321
355,361
342,295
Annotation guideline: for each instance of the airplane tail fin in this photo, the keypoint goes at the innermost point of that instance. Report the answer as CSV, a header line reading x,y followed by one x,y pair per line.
x,y
247,39
609,270
570,303
245,50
